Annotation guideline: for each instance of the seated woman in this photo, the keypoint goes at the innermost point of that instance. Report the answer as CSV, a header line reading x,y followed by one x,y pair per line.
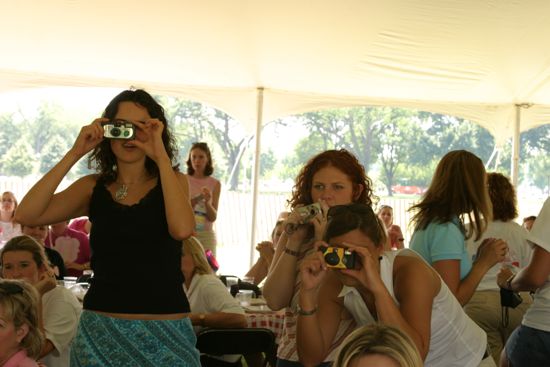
x,y
396,240
20,336
381,287
379,345
210,302
23,258
259,270
39,233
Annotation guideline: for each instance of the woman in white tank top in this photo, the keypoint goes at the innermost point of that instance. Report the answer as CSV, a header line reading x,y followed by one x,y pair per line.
x,y
395,288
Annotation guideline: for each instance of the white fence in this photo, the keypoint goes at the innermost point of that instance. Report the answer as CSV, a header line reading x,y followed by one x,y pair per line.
x,y
235,215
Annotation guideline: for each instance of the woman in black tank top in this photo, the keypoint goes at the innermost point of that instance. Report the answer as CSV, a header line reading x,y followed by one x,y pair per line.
x,y
139,206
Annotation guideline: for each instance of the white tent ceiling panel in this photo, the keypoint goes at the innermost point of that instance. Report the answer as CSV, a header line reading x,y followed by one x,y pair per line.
x,y
471,58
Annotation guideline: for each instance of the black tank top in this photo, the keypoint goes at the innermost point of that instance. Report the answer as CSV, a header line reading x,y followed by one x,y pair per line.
x,y
136,262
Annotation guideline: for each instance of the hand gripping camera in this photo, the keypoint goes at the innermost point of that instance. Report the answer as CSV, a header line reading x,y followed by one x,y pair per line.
x,y
119,129
339,258
308,212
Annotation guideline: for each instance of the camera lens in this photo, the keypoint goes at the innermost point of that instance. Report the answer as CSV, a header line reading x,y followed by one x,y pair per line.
x,y
332,258
126,133
115,131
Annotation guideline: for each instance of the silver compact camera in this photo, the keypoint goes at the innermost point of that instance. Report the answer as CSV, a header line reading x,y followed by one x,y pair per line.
x,y
308,212
119,129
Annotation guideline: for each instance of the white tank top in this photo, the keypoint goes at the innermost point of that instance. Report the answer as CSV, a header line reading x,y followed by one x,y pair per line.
x,y
456,341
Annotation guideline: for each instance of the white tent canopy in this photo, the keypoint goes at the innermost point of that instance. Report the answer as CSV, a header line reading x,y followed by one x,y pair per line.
x,y
476,59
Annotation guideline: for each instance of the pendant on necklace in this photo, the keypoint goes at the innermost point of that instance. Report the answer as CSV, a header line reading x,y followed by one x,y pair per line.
x,y
121,193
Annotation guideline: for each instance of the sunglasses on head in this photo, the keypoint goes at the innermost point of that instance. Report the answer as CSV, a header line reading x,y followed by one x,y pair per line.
x,y
10,288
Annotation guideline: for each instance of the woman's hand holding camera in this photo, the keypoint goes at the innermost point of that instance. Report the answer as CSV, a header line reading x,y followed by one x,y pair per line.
x,y
368,273
491,252
88,138
152,145
312,271
320,221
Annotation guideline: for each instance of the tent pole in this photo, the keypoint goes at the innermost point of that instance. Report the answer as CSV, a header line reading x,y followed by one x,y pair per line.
x,y
256,174
515,146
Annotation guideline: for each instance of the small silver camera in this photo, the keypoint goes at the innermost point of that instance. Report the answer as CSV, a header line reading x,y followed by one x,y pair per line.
x,y
119,129
309,212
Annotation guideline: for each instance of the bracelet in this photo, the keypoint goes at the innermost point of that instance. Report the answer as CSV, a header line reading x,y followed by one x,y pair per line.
x,y
509,281
306,313
292,252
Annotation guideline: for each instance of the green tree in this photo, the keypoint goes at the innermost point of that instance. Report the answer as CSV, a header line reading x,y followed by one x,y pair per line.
x,y
18,160
9,133
52,152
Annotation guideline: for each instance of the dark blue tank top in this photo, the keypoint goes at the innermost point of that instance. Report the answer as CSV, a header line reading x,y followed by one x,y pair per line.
x,y
136,262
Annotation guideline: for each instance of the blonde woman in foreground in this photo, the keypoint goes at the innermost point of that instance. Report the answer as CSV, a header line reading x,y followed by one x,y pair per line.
x,y
378,345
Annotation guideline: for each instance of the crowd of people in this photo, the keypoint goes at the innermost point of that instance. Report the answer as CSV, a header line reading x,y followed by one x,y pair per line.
x,y
336,264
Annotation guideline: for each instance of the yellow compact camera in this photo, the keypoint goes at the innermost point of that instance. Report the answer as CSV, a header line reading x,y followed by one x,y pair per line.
x,y
338,257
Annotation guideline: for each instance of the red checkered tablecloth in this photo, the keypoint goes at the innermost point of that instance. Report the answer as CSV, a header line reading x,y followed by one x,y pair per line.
x,y
268,320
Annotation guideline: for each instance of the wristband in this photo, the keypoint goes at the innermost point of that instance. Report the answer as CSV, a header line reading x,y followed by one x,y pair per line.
x,y
292,252
306,313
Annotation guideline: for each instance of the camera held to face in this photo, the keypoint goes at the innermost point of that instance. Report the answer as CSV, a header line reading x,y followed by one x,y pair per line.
x,y
119,129
308,212
339,258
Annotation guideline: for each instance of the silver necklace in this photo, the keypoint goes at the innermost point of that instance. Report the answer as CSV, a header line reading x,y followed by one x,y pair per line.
x,y
121,192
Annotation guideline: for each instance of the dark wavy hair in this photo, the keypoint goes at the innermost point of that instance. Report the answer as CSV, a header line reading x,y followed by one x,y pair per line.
x,y
503,197
340,159
102,155
458,188
346,218
209,169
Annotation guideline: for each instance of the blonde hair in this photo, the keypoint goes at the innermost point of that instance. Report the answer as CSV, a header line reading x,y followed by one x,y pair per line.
x,y
21,308
378,339
458,188
193,247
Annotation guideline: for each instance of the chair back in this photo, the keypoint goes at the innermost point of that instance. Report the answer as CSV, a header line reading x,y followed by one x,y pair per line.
x,y
238,341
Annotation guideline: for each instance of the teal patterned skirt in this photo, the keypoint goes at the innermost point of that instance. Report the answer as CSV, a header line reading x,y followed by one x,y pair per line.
x,y
107,341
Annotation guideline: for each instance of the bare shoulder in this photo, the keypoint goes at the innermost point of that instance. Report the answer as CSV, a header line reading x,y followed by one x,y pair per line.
x,y
410,270
86,183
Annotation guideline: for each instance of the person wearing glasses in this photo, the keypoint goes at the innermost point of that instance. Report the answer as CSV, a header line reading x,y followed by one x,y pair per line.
x,y
9,227
395,288
457,194
138,203
333,177
20,336
24,258
205,193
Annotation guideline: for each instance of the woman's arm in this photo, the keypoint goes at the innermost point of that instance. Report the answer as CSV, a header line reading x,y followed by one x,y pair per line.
x,y
179,214
40,206
279,285
218,320
321,312
530,278
413,315
490,252
212,203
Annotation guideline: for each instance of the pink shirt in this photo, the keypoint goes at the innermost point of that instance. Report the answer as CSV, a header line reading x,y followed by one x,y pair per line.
x,y
20,359
74,246
195,189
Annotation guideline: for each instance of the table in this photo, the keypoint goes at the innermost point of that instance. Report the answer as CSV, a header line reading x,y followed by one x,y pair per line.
x,y
272,320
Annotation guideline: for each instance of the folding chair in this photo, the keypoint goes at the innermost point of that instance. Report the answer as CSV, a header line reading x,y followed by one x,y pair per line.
x,y
245,341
